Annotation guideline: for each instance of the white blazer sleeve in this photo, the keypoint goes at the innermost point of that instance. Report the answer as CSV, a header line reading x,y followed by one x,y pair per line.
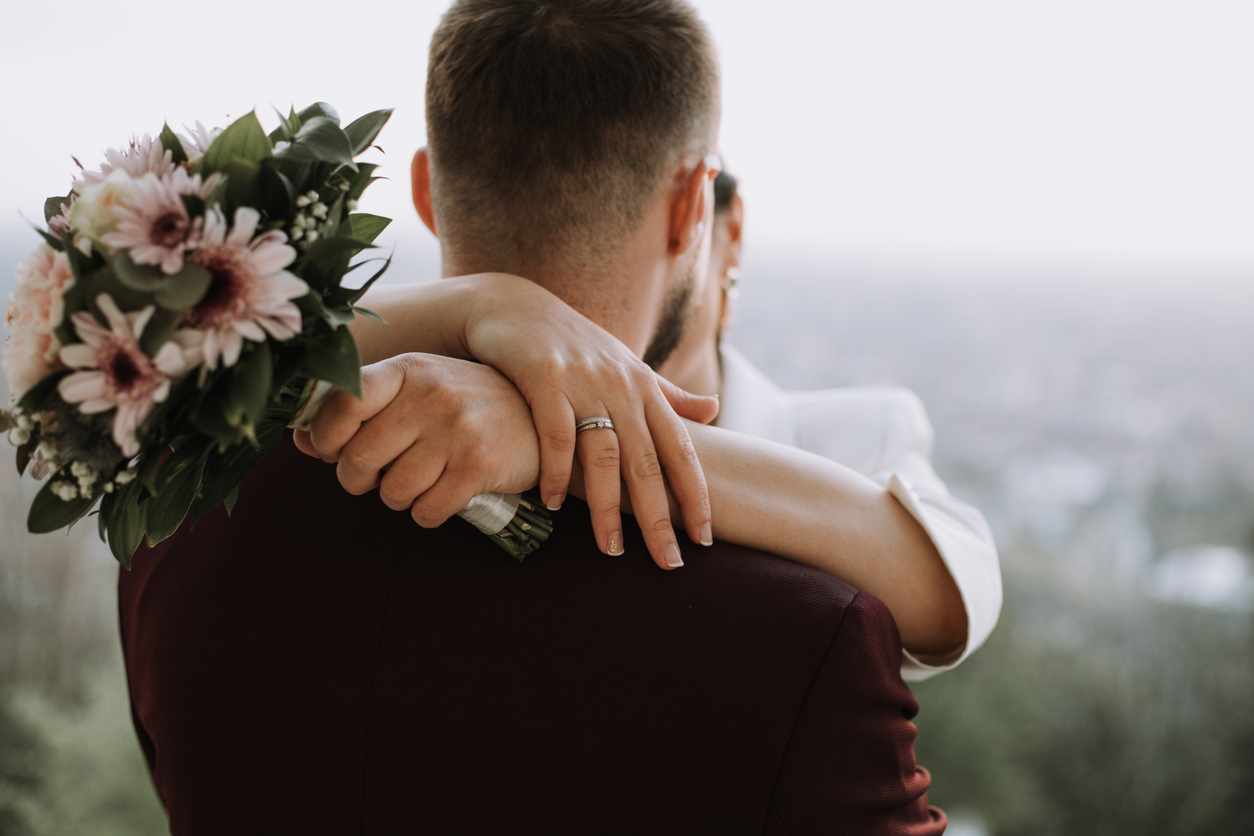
x,y
902,463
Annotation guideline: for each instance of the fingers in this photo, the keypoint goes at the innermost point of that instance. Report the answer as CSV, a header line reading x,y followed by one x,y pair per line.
x,y
700,408
683,472
598,453
555,427
342,414
303,444
413,473
376,444
450,493
647,488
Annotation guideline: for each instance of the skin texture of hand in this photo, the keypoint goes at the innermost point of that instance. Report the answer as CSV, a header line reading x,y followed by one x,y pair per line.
x,y
449,429
567,368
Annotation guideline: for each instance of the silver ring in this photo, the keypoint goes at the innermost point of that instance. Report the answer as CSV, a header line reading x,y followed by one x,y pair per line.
x,y
598,423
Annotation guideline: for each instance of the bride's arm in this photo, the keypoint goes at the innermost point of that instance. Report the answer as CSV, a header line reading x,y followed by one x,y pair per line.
x,y
807,508
762,495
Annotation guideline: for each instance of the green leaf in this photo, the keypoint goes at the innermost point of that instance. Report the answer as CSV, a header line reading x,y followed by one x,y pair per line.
x,y
185,288
366,227
249,390
52,208
230,500
335,359
48,512
161,326
176,488
243,178
226,469
356,295
288,126
126,518
362,132
143,277
37,394
244,139
24,454
320,140
278,195
171,142
318,109
52,240
369,313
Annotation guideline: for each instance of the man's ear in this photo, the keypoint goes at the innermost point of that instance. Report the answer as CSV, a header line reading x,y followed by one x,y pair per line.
x,y
420,178
688,211
735,224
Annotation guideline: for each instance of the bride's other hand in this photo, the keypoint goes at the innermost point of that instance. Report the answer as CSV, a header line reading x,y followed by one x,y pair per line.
x,y
450,429
569,368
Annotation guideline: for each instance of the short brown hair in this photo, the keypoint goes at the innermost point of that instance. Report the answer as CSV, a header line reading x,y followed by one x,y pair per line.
x,y
552,123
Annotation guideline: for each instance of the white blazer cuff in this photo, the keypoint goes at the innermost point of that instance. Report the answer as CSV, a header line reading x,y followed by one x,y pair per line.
x,y
965,543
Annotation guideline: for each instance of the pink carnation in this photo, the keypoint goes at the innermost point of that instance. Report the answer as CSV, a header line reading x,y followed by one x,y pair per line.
x,y
34,312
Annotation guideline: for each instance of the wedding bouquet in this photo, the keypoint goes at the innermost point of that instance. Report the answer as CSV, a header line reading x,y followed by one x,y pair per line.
x,y
188,304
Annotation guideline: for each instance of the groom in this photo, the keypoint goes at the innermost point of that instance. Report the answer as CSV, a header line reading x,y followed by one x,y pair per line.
x,y
316,663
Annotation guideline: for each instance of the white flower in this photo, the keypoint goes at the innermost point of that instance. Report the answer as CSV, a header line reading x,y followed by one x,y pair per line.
x,y
65,490
196,142
251,292
34,312
153,222
92,215
142,156
116,373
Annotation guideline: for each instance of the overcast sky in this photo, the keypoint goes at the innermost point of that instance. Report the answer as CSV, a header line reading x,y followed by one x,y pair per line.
x,y
935,134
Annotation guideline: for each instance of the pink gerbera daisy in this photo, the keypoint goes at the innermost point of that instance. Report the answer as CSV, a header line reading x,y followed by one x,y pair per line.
x,y
153,222
143,156
115,373
251,292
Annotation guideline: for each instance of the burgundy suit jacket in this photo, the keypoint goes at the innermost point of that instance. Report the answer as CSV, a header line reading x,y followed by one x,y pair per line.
x,y
316,663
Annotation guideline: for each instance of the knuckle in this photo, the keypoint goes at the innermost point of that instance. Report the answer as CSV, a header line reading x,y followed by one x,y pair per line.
x,y
646,466
660,525
359,460
561,440
605,457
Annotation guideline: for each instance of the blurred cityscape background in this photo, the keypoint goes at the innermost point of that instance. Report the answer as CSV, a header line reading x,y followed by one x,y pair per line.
x,y
1037,215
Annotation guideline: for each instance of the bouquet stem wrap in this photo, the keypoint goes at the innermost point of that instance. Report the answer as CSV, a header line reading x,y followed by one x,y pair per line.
x,y
515,524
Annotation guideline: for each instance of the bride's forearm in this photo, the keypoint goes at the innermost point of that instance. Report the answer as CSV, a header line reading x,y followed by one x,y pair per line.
x,y
426,318
801,506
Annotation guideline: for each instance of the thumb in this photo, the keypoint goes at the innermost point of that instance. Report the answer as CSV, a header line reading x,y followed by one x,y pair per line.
x,y
342,415
699,408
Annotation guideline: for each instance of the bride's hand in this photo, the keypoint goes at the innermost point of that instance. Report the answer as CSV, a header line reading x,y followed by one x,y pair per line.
x,y
569,368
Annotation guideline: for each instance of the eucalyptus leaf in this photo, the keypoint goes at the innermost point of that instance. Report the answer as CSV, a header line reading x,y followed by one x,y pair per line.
x,y
143,277
49,512
317,109
320,140
171,142
362,132
243,139
184,289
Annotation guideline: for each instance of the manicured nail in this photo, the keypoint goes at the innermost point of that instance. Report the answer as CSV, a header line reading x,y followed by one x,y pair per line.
x,y
615,544
707,535
554,502
673,559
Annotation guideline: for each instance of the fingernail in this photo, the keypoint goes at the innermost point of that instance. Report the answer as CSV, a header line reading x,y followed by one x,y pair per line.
x,y
673,559
554,502
707,535
615,545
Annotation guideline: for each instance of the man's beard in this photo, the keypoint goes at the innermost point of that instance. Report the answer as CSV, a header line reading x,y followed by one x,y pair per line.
x,y
676,317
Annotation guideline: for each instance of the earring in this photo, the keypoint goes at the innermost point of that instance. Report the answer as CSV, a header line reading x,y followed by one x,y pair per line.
x,y
729,281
